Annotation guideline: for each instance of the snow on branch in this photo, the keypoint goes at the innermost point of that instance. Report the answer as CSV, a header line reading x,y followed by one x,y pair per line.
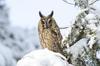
x,y
74,4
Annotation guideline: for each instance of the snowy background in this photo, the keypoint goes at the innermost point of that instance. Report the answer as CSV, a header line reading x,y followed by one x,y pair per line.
x,y
24,13
18,25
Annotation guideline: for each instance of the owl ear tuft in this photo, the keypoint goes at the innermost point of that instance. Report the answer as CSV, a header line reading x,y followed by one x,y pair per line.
x,y
40,14
51,14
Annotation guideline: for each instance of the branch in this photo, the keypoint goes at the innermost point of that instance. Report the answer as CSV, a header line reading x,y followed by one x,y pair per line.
x,y
68,2
93,2
63,27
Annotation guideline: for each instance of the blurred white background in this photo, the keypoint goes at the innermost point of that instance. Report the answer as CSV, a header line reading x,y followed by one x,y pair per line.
x,y
24,13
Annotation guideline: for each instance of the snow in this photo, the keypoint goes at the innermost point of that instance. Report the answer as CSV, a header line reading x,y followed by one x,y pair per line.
x,y
43,57
77,48
90,16
81,11
91,42
92,25
92,21
98,54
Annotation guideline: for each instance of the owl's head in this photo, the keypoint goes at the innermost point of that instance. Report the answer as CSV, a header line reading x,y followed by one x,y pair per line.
x,y
46,21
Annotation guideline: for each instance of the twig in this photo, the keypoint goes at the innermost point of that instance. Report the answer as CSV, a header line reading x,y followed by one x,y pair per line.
x,y
63,27
68,2
93,2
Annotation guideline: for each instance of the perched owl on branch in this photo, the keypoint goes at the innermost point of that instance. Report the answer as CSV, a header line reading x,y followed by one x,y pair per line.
x,y
49,33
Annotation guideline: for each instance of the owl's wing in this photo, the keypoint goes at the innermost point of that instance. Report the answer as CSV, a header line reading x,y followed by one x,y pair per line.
x,y
58,37
56,32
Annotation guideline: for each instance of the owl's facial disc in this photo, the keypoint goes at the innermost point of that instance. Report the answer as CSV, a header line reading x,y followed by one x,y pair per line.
x,y
46,23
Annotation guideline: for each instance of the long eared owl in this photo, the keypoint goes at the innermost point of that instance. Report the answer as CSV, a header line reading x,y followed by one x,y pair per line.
x,y
49,33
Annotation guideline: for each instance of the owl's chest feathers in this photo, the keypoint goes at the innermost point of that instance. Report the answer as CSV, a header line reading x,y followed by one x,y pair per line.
x,y
47,34
48,38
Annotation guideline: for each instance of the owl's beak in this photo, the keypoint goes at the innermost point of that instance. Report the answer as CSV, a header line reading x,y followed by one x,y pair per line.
x,y
47,25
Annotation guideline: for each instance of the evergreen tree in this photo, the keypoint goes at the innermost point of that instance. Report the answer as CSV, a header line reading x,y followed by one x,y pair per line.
x,y
83,42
